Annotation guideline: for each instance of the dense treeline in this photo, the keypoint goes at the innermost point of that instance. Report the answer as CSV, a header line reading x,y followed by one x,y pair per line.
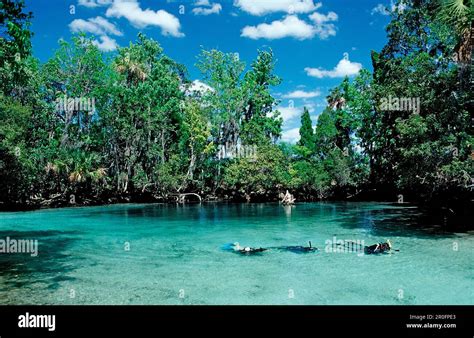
x,y
91,128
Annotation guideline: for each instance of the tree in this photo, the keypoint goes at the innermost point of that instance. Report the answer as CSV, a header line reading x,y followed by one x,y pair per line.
x,y
227,99
14,160
325,133
306,144
261,123
195,137
142,116
257,178
459,14
15,47
424,153
17,77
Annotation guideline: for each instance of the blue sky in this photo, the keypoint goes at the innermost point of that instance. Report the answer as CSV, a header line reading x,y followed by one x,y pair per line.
x,y
315,43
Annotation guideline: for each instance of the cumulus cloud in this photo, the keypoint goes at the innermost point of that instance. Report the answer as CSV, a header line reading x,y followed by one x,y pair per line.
x,y
196,87
291,135
384,10
94,3
142,18
204,7
319,18
263,7
380,9
322,24
301,94
291,26
97,25
288,113
344,68
106,44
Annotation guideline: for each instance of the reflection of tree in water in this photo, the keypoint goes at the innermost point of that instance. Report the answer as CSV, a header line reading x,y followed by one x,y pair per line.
x,y
402,222
50,266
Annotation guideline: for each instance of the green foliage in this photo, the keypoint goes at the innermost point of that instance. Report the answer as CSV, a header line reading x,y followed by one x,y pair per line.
x,y
142,115
261,176
14,160
306,144
261,124
15,47
148,135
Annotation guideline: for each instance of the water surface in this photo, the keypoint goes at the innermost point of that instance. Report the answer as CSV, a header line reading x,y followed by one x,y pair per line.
x,y
167,254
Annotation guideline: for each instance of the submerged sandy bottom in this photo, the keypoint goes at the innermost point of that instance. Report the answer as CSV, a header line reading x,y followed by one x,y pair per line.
x,y
159,254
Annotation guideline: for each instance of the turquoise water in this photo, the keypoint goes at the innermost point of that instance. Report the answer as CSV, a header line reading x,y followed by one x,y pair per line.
x,y
166,254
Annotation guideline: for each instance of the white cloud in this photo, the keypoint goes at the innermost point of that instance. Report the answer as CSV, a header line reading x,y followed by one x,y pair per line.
x,y
301,94
291,26
106,25
197,86
94,3
204,7
319,18
106,44
322,26
380,9
97,25
140,18
384,10
344,68
262,7
200,86
288,113
291,135
310,106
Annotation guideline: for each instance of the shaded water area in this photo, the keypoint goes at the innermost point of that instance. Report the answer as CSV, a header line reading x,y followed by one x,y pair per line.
x,y
167,254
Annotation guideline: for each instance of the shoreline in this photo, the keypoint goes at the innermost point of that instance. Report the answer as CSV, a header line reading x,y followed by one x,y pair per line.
x,y
429,214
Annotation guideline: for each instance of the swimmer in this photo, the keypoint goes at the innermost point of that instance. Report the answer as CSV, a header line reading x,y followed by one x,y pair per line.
x,y
378,248
246,249
299,248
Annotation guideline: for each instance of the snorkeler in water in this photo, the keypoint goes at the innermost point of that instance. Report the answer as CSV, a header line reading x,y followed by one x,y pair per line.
x,y
383,247
378,248
246,249
299,248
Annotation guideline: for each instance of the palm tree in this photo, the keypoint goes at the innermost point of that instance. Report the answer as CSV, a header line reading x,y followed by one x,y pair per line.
x,y
83,165
98,174
459,15
131,67
56,167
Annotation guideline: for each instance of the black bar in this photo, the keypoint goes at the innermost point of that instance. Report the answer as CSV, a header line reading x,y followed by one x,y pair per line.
x,y
315,321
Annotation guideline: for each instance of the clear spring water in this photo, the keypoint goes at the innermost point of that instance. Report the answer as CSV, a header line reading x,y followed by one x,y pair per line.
x,y
175,256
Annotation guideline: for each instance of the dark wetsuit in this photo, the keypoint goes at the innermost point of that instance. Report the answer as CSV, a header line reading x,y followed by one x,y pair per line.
x,y
377,248
251,251
299,249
